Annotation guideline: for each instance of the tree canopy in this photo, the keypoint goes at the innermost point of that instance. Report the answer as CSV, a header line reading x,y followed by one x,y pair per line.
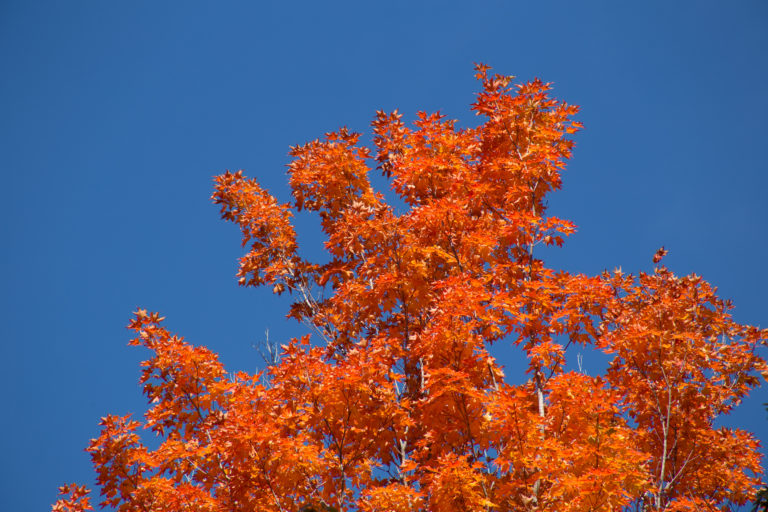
x,y
394,401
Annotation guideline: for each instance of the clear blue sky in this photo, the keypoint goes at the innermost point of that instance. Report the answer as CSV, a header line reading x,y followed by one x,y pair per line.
x,y
116,115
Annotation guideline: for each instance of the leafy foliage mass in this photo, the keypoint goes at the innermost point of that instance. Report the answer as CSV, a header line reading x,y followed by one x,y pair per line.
x,y
398,405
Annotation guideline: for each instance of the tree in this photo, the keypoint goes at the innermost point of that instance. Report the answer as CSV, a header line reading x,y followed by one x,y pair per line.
x,y
394,402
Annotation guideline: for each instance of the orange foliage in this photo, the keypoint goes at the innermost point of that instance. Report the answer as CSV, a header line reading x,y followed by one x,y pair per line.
x,y
399,405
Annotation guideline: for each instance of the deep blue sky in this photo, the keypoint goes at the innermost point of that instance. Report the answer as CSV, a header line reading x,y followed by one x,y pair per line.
x,y
116,115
